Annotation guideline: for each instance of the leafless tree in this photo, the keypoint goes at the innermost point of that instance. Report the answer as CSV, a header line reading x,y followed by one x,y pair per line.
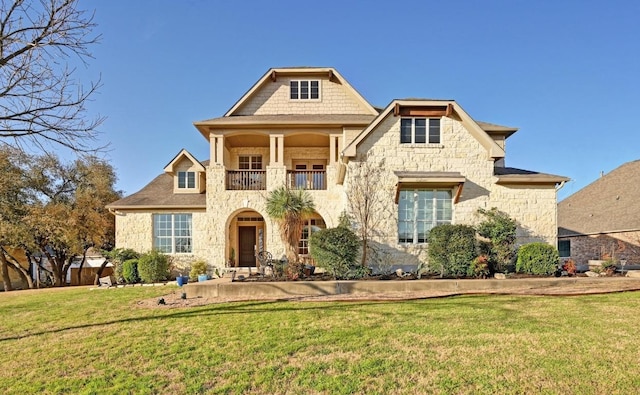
x,y
366,199
41,103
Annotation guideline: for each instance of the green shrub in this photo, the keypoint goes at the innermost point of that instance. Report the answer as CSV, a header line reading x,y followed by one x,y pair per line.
x,y
153,267
451,249
537,258
500,231
117,257
336,250
480,267
130,271
197,268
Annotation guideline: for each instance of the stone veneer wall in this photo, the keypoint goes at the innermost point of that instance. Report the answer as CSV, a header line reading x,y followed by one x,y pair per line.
x,y
619,245
457,152
223,205
533,207
274,99
135,230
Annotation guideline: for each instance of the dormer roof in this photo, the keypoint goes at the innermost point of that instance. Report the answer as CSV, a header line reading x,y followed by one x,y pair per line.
x,y
169,168
273,74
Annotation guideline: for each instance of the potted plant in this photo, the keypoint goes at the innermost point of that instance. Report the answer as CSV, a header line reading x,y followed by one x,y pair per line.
x,y
199,271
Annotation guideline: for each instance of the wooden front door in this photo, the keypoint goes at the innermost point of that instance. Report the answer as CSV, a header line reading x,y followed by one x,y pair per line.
x,y
246,243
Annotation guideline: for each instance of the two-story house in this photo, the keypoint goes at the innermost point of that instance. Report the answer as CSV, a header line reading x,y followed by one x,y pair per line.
x,y
308,128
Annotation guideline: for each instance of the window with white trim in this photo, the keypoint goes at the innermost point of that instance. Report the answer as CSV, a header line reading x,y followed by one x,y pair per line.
x,y
310,226
186,179
172,233
420,130
304,90
253,162
419,210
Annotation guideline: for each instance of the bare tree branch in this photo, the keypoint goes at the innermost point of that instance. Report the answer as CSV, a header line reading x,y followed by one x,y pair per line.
x,y
41,103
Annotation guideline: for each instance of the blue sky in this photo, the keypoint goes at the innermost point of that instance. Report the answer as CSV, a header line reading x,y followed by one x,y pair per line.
x,y
567,73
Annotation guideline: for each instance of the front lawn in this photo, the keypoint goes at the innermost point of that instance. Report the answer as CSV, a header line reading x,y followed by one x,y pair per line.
x,y
82,341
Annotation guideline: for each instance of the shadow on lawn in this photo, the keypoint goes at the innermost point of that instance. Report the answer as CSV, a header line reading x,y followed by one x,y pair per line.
x,y
208,310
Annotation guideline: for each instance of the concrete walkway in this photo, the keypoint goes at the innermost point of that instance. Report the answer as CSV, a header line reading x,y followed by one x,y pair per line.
x,y
225,288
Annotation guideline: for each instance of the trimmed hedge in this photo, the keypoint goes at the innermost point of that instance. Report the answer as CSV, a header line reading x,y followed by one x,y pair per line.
x,y
336,250
130,271
537,258
452,248
153,267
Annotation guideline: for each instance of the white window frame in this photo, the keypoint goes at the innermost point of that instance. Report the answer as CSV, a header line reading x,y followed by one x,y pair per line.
x,y
184,176
296,86
253,160
173,233
307,230
410,216
428,137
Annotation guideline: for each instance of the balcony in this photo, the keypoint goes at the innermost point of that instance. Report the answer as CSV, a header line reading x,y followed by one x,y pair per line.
x,y
307,179
246,180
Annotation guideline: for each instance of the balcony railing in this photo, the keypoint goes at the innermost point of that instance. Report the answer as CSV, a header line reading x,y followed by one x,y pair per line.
x,y
246,180
307,179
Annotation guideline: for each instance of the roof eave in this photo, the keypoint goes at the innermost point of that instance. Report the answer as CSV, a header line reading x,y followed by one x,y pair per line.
x,y
156,207
525,179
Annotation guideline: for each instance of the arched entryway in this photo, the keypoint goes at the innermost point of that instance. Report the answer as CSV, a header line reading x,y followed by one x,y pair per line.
x,y
246,236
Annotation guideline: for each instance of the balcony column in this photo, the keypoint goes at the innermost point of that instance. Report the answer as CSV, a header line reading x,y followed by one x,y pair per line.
x,y
216,148
276,150
335,148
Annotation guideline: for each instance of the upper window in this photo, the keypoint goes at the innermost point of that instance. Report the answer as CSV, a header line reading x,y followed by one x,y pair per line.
x,y
304,90
186,179
419,210
250,162
172,233
420,130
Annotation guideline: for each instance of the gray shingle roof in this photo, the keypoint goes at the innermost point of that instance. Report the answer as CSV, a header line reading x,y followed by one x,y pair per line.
x,y
511,175
159,194
607,205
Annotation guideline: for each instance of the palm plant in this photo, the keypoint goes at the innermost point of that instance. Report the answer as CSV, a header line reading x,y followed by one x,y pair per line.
x,y
290,208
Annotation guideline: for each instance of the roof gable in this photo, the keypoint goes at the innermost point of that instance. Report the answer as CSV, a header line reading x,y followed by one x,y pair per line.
x,y
183,154
609,204
324,73
452,109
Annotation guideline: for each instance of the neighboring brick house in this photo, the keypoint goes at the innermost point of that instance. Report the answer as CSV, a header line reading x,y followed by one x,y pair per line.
x,y
602,220
307,127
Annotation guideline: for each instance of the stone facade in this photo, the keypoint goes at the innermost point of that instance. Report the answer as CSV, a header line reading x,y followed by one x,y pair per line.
x,y
534,208
231,212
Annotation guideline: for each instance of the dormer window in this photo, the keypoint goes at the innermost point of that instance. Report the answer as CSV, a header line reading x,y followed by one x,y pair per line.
x,y
304,90
186,180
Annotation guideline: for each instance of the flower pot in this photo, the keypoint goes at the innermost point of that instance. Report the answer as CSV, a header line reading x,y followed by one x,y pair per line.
x,y
309,270
202,277
182,280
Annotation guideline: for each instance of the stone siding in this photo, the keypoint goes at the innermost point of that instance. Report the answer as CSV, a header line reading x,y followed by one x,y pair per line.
x,y
533,207
274,99
134,230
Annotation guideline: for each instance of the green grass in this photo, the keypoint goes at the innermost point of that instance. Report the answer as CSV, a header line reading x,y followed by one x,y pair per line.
x,y
86,342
